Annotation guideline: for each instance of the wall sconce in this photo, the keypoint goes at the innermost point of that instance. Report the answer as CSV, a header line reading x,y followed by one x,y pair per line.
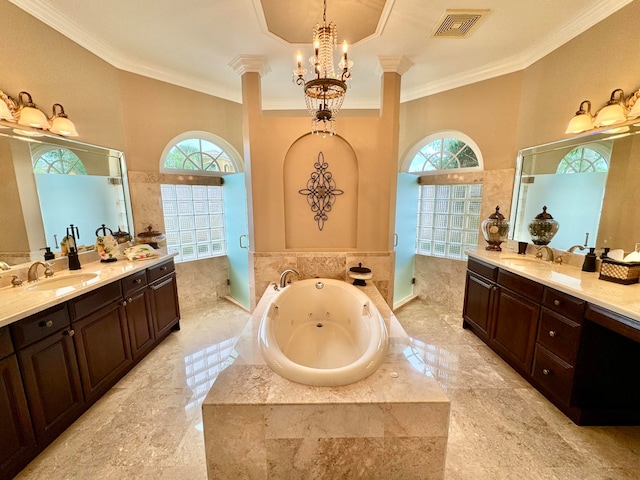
x,y
613,112
617,111
28,113
583,120
61,124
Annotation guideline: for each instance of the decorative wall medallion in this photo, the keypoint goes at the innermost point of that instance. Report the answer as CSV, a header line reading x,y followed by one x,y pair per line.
x,y
321,191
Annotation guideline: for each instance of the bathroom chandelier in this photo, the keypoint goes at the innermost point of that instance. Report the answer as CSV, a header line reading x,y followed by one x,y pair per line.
x,y
324,93
616,112
27,114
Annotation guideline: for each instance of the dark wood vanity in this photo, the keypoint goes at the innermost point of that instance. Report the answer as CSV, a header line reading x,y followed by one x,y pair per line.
x,y
584,358
56,363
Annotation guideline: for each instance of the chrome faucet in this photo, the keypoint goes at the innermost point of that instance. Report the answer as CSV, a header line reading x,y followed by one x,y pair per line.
x,y
547,250
572,249
32,274
283,277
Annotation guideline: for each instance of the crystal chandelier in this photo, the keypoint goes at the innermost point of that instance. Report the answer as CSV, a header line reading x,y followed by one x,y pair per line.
x,y
324,93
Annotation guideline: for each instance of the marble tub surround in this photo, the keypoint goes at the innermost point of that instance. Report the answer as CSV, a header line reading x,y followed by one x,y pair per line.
x,y
258,425
440,281
267,266
20,302
567,278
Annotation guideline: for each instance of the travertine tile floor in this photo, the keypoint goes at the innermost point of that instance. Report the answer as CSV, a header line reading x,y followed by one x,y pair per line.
x,y
149,424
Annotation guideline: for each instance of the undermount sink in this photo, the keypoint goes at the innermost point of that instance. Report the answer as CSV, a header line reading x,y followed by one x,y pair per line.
x,y
54,283
528,262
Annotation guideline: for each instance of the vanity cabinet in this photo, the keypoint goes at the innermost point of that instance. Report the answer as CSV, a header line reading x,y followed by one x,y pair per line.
x,y
17,441
164,298
576,354
50,373
101,339
137,305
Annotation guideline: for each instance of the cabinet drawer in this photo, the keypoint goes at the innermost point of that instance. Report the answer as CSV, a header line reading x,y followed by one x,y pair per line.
x,y
6,347
484,269
554,375
134,282
160,270
523,286
559,335
564,304
39,326
94,301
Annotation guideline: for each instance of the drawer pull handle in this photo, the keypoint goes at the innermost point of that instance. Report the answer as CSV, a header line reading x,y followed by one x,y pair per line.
x,y
546,371
71,332
556,303
47,324
162,269
552,333
138,281
129,300
124,302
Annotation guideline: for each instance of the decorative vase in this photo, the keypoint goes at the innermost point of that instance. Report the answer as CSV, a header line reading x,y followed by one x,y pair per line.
x,y
543,228
495,229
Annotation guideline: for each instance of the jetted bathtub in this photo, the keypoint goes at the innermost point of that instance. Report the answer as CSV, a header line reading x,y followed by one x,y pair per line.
x,y
322,332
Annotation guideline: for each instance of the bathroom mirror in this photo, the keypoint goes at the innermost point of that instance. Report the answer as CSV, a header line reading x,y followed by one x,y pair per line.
x,y
48,183
589,184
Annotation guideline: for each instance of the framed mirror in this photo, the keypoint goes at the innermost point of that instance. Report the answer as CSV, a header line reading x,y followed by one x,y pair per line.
x,y
48,183
589,184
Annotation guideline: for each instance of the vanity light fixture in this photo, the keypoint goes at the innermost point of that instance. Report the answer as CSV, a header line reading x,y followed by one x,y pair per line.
x,y
614,112
633,102
61,124
29,114
7,107
582,121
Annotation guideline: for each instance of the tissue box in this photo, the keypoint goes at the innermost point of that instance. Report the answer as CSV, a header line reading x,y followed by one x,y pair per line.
x,y
619,272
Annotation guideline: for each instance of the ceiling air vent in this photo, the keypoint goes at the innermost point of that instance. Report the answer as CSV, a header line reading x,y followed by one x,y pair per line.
x,y
457,23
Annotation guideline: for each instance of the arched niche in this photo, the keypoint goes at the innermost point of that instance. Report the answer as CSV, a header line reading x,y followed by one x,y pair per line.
x,y
340,228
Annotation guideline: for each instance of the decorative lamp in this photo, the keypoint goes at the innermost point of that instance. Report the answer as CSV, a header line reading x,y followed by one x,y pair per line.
x,y
583,119
324,93
29,114
543,228
495,229
613,112
61,124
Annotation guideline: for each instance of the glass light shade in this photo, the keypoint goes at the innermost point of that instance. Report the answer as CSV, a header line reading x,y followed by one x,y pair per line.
x,y
5,113
635,110
610,115
32,117
580,123
63,126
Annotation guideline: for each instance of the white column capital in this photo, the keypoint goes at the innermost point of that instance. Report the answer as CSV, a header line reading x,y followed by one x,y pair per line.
x,y
242,64
394,63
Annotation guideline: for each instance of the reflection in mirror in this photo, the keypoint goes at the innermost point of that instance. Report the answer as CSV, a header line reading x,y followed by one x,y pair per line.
x,y
587,184
49,183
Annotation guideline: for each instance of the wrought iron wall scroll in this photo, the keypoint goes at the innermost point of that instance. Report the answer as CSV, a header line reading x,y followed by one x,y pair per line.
x,y
321,191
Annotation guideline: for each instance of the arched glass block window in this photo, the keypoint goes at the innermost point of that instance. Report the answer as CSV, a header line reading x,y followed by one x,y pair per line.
x,y
59,161
583,160
448,213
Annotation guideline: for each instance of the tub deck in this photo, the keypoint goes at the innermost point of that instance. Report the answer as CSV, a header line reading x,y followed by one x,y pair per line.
x,y
258,425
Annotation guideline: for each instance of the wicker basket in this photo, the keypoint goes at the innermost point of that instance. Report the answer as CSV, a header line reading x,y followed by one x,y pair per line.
x,y
619,272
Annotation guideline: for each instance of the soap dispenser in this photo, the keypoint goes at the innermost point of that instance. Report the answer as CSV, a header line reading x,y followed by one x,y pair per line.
x,y
74,260
589,264
48,254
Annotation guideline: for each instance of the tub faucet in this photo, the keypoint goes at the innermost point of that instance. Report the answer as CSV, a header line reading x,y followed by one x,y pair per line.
x,y
283,277
547,250
32,274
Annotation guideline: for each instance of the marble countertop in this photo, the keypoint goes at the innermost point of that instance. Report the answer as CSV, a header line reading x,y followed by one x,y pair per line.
x,y
20,302
622,299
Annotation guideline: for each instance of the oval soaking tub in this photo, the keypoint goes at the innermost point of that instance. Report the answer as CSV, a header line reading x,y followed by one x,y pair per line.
x,y
322,332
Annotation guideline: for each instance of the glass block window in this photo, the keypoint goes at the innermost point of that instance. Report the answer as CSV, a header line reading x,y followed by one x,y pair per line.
x,y
583,160
194,221
448,219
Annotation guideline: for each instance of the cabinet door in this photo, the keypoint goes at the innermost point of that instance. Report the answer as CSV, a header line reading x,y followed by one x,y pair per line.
x,y
140,322
17,439
52,383
164,301
104,354
514,329
478,301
